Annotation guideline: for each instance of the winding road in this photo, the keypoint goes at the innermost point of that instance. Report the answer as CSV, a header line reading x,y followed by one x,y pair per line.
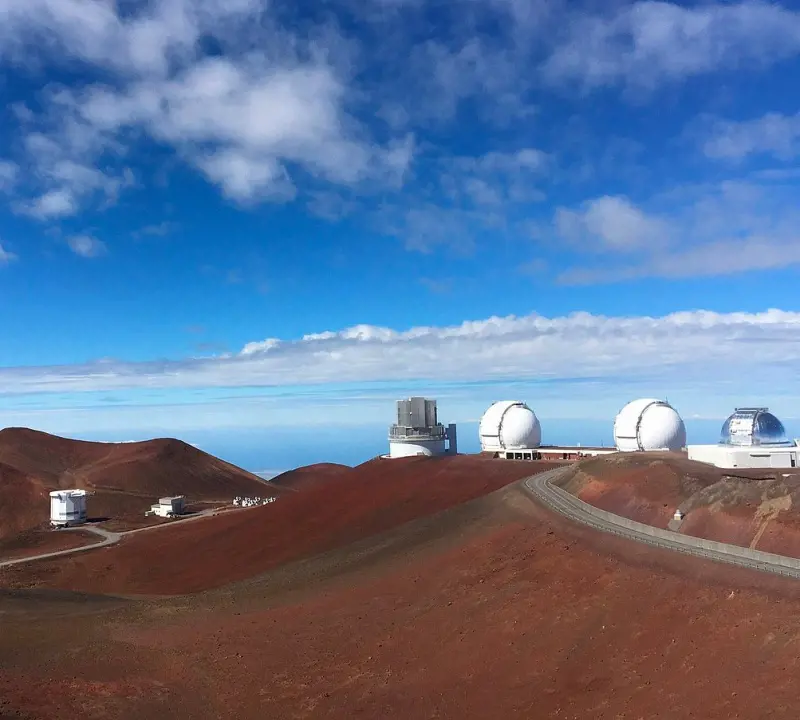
x,y
543,489
108,538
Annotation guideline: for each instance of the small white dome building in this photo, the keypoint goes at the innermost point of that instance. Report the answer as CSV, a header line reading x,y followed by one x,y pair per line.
x,y
509,425
649,424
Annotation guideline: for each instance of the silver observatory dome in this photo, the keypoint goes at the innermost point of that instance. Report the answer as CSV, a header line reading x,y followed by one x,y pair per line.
x,y
753,426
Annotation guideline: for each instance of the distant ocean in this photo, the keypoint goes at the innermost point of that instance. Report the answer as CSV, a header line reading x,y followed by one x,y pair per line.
x,y
269,452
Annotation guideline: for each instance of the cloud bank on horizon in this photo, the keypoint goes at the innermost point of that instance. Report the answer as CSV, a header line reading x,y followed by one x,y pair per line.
x,y
184,178
581,365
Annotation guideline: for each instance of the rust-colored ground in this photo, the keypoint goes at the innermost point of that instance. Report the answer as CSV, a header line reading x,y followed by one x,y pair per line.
x,y
36,542
751,508
492,609
124,479
303,478
214,551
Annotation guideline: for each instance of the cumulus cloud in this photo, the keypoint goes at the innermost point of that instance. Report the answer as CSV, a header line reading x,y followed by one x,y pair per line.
x,y
86,246
611,223
268,107
579,346
647,42
706,231
773,134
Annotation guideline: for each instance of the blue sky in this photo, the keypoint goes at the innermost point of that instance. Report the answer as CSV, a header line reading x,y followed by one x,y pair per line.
x,y
222,218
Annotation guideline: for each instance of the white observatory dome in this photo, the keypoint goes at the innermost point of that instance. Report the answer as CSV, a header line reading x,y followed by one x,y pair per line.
x,y
509,424
649,424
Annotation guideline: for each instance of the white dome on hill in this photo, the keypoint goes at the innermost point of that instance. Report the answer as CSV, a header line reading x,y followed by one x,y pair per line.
x,y
649,424
509,424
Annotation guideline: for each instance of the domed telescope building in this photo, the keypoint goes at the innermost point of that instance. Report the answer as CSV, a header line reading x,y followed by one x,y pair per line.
x,y
509,425
509,429
752,437
649,424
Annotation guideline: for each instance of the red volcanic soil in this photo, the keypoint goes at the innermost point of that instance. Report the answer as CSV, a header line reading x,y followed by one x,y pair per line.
x,y
750,508
493,609
18,494
215,551
309,476
125,478
36,542
646,487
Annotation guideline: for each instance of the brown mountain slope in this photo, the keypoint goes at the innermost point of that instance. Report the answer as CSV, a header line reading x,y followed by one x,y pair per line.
x,y
751,508
123,477
367,500
309,476
493,609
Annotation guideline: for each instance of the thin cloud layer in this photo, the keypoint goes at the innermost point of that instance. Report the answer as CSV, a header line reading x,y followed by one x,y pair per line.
x,y
698,344
773,134
646,43
708,231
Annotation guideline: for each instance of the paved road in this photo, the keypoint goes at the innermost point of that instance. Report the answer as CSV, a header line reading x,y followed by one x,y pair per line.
x,y
108,538
542,488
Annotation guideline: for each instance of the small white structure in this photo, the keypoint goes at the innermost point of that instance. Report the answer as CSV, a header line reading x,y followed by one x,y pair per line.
x,y
419,432
509,425
750,438
648,424
67,508
169,507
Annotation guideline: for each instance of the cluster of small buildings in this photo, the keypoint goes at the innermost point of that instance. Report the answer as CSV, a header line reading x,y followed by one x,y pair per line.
x,y
252,501
750,438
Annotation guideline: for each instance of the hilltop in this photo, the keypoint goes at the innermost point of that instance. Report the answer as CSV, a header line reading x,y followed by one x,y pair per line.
x,y
124,478
752,508
308,476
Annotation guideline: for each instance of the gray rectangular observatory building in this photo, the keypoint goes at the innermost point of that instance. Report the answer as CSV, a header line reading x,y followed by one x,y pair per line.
x,y
417,412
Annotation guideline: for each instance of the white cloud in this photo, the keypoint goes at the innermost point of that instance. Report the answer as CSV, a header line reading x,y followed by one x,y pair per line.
x,y
611,223
86,246
727,229
53,204
249,120
646,42
579,346
6,256
713,259
64,163
8,174
773,134
146,41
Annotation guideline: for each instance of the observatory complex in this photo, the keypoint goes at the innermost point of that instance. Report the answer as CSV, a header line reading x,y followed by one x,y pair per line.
x,y
751,437
419,432
648,424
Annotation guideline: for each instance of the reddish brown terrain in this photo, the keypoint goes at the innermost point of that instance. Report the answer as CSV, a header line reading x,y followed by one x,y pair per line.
x,y
210,552
124,479
492,608
37,542
303,478
751,508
